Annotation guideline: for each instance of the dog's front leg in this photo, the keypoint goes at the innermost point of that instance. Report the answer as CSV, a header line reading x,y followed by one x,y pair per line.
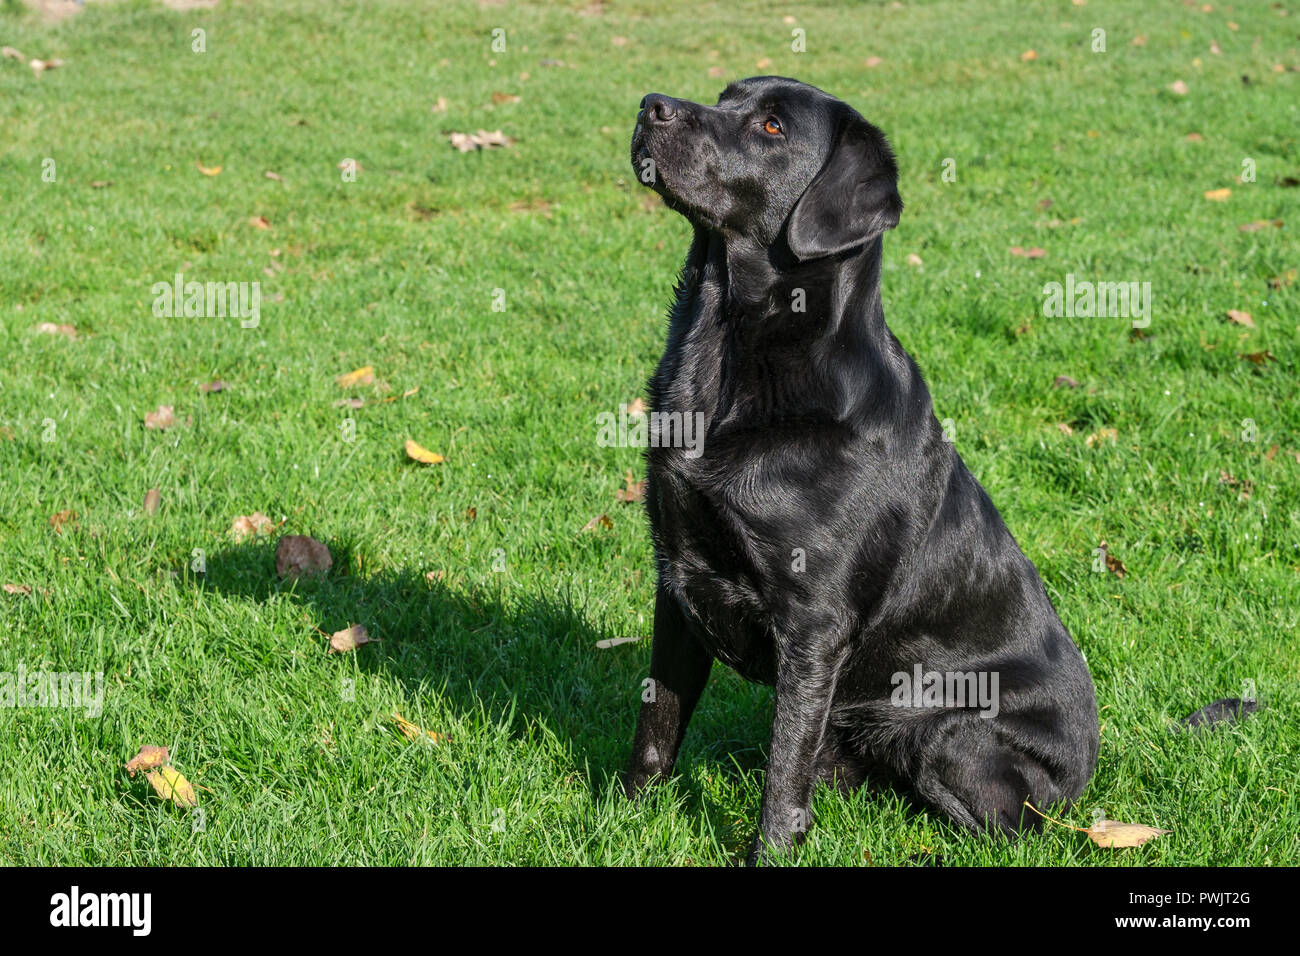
x,y
807,670
679,669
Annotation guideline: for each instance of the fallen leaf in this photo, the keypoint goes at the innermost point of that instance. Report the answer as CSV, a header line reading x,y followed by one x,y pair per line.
x,y
500,98
1271,453
468,142
440,106
872,62
1113,564
207,170
299,554
259,222
601,520
1034,253
616,641
251,525
1215,49
1027,56
1179,87
410,391
163,419
148,758
168,783
1101,435
422,454
349,403
40,66
471,513
49,328
1065,428
1138,40
275,176
11,53
362,376
763,64
413,732
634,490
914,260
1241,318
636,407
1259,358
18,589
717,71
217,385
1218,195
57,521
1112,834
1259,224
1065,381
349,164
1285,279
1194,138
349,639
152,499
100,183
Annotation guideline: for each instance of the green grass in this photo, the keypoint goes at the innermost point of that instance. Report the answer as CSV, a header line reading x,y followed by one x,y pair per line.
x,y
229,667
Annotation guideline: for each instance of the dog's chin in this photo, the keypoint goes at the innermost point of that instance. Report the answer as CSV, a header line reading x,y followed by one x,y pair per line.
x,y
683,207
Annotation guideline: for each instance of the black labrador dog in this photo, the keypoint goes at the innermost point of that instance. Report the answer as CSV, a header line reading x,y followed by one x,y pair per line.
x,y
824,537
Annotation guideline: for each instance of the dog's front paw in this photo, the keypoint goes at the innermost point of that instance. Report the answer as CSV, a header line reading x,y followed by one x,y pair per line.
x,y
777,839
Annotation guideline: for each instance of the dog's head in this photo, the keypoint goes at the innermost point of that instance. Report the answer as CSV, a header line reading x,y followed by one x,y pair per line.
x,y
774,158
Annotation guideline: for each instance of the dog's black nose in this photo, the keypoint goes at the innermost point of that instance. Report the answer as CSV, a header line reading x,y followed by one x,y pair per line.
x,y
657,108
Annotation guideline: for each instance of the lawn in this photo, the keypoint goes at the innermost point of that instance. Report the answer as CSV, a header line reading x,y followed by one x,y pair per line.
x,y
505,298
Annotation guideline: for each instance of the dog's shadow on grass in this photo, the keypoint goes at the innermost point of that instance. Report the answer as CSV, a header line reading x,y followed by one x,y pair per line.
x,y
535,658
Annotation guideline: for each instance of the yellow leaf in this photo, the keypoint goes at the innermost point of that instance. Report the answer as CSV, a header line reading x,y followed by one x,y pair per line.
x,y
207,170
420,453
1218,195
362,376
148,758
168,783
1111,834
1101,435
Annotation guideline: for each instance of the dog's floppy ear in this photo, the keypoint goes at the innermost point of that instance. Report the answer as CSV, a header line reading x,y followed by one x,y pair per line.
x,y
853,199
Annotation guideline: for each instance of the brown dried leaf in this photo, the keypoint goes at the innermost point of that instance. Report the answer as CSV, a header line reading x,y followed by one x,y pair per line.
x,y
1218,195
1034,253
1065,428
57,521
1112,834
216,385
18,589
349,639
163,419
468,142
1178,87
148,758
634,490
1101,435
49,328
259,222
1259,358
251,525
299,554
601,520
1241,318
152,499
1065,381
1259,224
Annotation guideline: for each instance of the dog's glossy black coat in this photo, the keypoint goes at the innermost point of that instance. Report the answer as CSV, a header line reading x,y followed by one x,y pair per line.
x,y
828,537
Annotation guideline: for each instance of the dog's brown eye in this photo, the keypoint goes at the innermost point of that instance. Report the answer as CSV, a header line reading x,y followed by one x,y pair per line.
x,y
772,127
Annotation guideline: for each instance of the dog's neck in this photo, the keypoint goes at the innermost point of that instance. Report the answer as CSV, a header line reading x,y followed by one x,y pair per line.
x,y
767,291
